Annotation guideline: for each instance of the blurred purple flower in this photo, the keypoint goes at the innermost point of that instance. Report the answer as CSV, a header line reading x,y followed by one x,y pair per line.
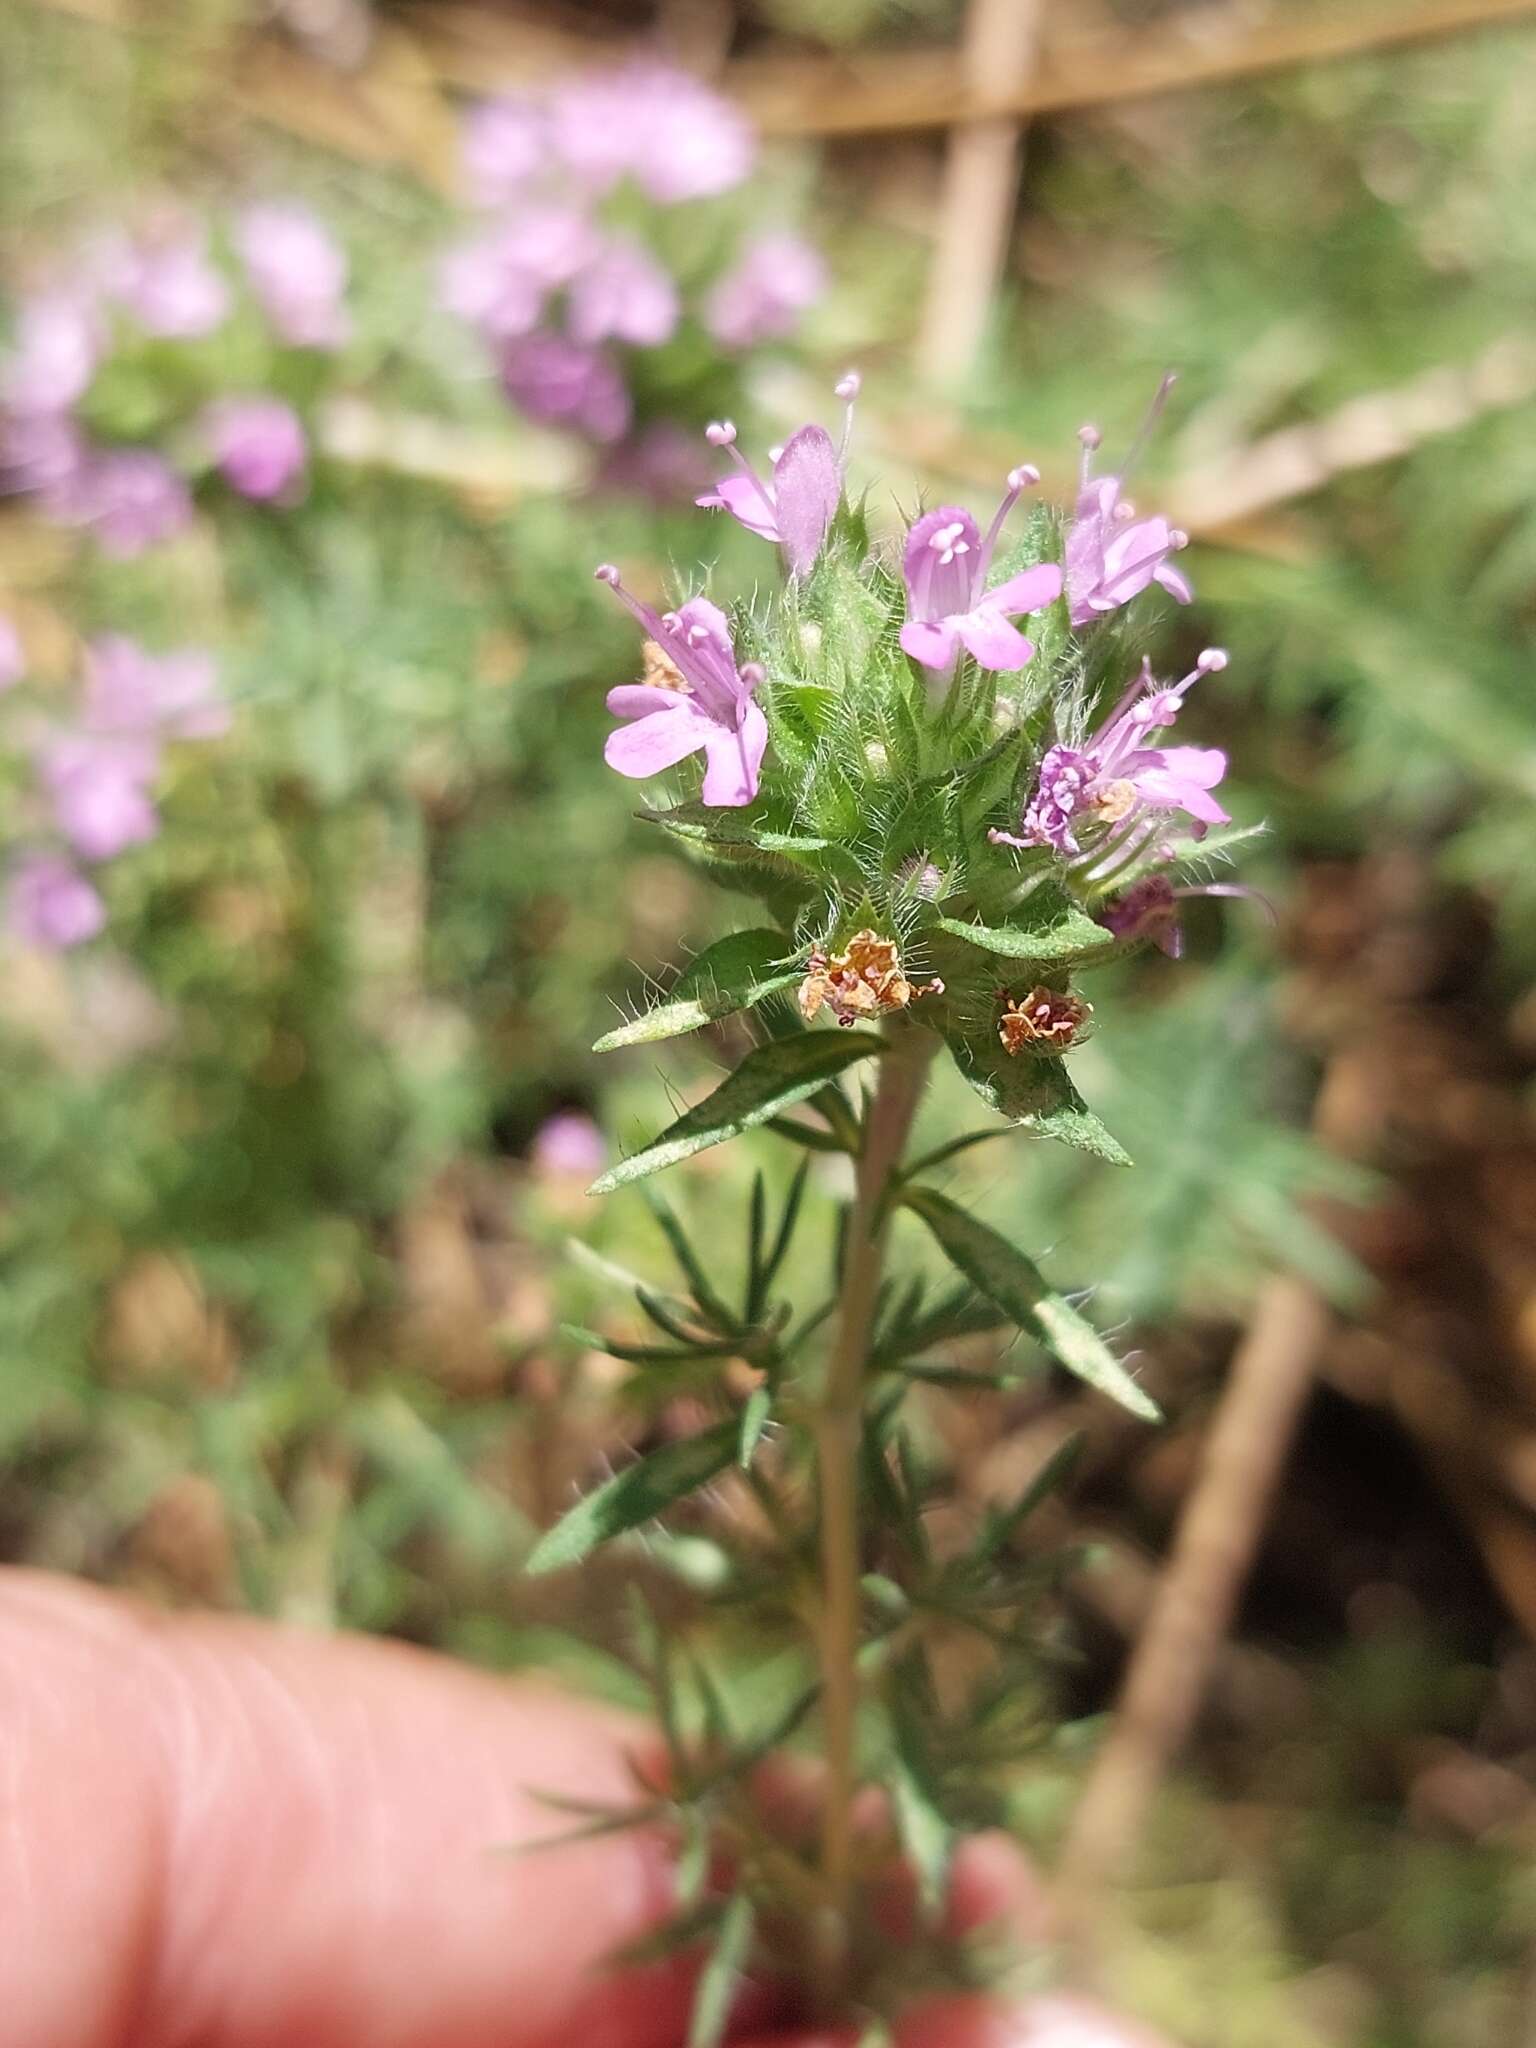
x,y
503,143
569,1143
1121,791
131,499
51,904
100,793
259,446
499,281
651,122
945,564
559,383
13,659
494,295
298,273
715,710
43,452
132,693
776,279
624,294
54,354
167,284
794,506
1111,554
660,462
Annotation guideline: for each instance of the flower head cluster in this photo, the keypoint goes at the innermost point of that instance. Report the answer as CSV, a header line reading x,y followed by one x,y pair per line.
x,y
95,779
123,299
566,281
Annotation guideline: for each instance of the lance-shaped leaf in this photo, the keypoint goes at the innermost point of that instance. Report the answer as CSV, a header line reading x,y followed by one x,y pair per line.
x,y
731,975
1068,936
1036,1093
721,1975
767,1082
727,835
636,1495
1000,1271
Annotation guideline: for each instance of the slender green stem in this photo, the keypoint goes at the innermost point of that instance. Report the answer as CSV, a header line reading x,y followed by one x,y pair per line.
x,y
839,1424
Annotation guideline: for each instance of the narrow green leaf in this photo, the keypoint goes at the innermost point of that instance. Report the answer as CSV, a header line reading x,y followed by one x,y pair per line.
x,y
925,1833
786,1231
1073,936
731,975
647,1354
766,1083
713,1308
808,1135
1004,1274
721,1974
754,1420
757,1219
1053,1474
635,1496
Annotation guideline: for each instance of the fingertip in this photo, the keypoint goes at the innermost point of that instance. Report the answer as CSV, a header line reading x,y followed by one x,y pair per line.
x,y
993,1884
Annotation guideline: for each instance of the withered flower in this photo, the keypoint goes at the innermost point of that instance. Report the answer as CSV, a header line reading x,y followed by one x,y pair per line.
x,y
1045,1017
864,980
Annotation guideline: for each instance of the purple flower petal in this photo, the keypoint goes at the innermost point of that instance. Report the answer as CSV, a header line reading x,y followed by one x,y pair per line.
x,y
1029,591
939,562
807,488
660,740
746,500
930,641
994,641
640,700
735,760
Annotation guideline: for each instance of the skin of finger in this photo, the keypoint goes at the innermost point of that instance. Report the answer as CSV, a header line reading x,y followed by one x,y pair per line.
x,y
216,1832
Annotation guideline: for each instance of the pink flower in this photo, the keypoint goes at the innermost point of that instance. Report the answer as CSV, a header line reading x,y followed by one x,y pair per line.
x,y
55,352
259,446
762,296
499,281
100,792
795,505
624,294
298,273
43,452
945,564
130,498
713,711
1111,554
1119,793
569,1143
560,383
653,123
52,905
1149,909
504,143
168,285
481,285
13,659
131,693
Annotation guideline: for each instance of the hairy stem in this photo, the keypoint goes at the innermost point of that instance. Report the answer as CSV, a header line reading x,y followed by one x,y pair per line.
x,y
839,1424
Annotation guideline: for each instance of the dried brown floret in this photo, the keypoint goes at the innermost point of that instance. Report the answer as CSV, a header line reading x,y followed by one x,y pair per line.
x,y
1045,1017
864,980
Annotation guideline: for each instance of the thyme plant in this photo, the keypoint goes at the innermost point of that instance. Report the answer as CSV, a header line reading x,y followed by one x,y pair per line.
x,y
946,779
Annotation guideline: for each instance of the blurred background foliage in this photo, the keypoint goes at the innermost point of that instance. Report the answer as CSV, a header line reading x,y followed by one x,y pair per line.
x,y
286,1291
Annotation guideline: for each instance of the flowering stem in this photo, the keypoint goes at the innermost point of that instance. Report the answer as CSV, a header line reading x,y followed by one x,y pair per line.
x,y
839,1427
